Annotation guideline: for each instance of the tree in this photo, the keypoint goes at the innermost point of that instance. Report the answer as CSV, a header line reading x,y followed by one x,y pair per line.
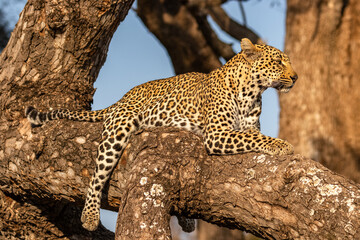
x,y
52,59
321,116
44,172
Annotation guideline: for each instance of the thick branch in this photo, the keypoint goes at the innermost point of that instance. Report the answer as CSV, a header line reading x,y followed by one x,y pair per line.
x,y
220,48
230,26
182,27
272,197
177,29
226,23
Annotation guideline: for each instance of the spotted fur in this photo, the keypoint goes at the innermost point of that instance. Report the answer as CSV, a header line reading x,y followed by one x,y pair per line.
x,y
223,106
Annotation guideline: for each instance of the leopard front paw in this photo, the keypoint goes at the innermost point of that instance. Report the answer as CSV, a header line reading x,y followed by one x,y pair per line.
x,y
90,218
279,147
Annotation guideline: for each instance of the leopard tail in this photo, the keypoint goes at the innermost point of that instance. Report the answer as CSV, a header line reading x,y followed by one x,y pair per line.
x,y
37,118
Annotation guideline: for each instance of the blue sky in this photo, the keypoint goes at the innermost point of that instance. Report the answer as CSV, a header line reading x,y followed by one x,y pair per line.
x,y
135,56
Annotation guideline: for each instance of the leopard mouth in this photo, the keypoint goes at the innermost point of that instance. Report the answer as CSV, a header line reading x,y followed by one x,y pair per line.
x,y
283,85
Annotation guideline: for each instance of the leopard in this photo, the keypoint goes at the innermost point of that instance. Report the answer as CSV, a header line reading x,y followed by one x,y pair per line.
x,y
222,106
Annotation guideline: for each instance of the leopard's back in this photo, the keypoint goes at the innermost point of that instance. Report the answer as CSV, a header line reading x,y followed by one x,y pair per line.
x,y
171,102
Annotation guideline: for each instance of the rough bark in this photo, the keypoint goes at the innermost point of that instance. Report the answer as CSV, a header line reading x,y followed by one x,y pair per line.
x,y
321,115
167,171
52,60
273,197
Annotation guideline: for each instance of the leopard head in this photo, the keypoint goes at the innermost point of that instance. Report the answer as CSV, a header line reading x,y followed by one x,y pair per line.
x,y
269,67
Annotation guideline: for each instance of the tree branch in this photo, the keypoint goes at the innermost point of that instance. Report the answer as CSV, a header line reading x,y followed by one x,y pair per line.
x,y
177,29
220,48
227,24
272,197
230,26
169,170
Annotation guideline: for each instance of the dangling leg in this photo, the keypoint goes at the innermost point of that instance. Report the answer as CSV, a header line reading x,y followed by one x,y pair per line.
x,y
115,139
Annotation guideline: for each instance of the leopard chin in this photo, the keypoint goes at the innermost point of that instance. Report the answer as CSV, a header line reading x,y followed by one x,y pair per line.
x,y
283,86
284,90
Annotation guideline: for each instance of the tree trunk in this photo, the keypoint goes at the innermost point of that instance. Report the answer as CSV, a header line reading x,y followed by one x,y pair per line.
x,y
321,115
52,60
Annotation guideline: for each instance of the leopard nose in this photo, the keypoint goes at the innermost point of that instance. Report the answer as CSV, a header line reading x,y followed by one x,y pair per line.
x,y
294,78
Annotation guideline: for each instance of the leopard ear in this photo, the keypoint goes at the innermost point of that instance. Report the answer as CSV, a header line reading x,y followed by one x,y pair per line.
x,y
249,50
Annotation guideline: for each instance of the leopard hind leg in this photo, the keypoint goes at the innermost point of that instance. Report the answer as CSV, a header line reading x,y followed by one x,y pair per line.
x,y
114,140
